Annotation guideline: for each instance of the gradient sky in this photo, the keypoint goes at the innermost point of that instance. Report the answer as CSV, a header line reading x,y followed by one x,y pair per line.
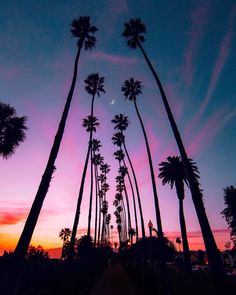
x,y
192,45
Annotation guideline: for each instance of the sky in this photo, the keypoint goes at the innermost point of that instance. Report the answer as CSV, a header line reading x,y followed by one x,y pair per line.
x,y
192,46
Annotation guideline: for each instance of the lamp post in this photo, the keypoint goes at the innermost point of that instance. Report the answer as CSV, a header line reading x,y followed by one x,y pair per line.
x,y
150,227
111,227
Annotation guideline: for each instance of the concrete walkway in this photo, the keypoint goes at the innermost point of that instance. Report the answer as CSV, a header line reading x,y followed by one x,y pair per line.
x,y
114,281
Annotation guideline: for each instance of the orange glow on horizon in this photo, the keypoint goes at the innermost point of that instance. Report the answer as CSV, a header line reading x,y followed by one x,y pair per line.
x,y
8,241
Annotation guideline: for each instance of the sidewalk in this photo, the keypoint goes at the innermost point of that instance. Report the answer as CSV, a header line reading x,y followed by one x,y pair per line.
x,y
114,281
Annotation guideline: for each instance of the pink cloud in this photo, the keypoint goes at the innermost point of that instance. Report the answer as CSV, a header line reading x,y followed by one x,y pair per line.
x,y
9,72
218,68
221,60
118,6
209,131
8,218
152,139
115,59
176,104
198,23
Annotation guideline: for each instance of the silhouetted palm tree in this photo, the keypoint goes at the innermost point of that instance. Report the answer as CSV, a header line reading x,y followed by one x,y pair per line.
x,y
173,172
134,35
229,212
120,156
121,184
94,86
12,130
105,169
64,234
131,90
121,123
97,161
84,32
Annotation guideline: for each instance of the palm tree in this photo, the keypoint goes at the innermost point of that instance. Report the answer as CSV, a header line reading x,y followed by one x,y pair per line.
x,y
105,169
94,86
178,241
97,160
131,90
12,130
229,213
121,123
134,35
64,234
173,172
84,32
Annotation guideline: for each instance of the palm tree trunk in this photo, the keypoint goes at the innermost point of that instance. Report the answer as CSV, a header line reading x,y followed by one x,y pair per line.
x,y
137,190
213,253
128,210
127,202
158,215
96,204
184,237
11,284
163,267
124,221
25,238
77,213
135,210
99,217
91,197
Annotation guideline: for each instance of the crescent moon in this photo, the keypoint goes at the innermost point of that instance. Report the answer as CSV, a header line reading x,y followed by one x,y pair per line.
x,y
113,101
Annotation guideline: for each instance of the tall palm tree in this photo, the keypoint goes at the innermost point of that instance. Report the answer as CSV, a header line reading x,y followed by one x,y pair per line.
x,y
131,89
84,32
64,234
121,123
173,172
12,130
134,34
94,86
120,156
105,169
97,160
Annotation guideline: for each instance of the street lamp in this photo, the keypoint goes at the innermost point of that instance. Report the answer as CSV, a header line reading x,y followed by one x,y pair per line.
x,y
111,227
150,227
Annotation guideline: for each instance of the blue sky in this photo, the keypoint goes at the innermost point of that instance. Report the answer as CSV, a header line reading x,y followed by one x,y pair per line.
x,y
191,44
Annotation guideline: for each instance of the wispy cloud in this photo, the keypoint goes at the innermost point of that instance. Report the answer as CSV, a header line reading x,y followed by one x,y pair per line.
x,y
213,126
198,22
115,59
9,218
221,60
118,6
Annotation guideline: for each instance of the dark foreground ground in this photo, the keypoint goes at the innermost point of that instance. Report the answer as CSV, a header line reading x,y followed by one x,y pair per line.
x,y
95,277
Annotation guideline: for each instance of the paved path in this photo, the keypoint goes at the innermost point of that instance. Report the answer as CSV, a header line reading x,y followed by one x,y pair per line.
x,y
114,281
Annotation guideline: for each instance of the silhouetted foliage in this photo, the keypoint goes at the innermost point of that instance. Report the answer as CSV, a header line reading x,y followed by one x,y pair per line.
x,y
85,247
84,32
229,212
172,172
12,130
37,254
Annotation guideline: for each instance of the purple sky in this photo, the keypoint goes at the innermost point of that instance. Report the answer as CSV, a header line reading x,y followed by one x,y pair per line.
x,y
192,46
